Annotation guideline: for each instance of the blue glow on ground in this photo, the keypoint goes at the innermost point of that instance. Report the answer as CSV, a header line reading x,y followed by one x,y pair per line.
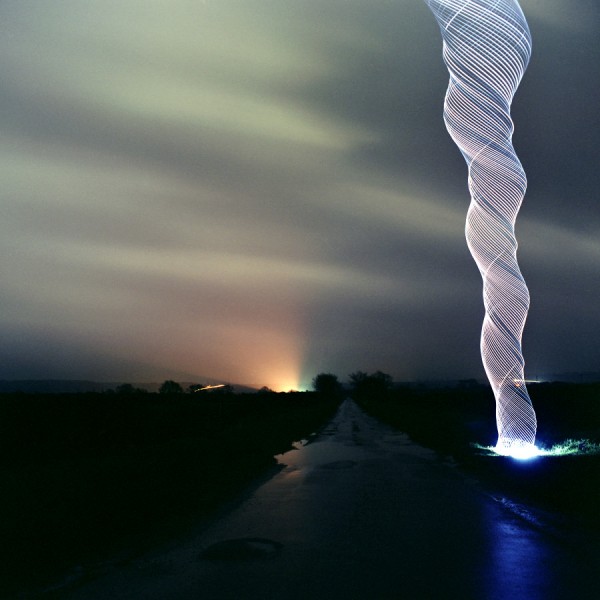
x,y
520,451
569,447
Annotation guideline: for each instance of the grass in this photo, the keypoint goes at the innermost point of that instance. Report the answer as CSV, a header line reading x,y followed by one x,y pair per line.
x,y
569,447
87,475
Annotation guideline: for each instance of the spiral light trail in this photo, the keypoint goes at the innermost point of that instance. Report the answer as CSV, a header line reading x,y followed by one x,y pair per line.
x,y
487,46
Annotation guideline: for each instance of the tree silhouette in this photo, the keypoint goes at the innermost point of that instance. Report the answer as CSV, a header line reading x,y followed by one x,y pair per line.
x,y
128,389
125,388
375,385
264,390
170,387
328,385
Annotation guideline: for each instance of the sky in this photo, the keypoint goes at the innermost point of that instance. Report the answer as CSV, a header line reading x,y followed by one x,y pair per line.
x,y
257,191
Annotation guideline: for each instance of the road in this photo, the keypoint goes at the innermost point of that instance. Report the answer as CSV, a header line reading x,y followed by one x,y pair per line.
x,y
360,512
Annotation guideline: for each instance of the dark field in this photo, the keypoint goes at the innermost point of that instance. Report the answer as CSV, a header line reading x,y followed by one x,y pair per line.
x,y
451,421
86,476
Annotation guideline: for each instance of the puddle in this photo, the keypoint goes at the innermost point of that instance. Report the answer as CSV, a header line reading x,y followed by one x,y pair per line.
x,y
320,453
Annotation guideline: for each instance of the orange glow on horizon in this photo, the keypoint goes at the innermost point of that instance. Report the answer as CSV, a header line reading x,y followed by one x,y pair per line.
x,y
277,367
248,351
285,385
262,356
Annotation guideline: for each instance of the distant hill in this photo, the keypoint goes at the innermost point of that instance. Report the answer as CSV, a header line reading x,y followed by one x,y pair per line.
x,y
53,386
69,386
572,377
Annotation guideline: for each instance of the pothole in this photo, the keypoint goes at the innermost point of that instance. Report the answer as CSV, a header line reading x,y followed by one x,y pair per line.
x,y
242,549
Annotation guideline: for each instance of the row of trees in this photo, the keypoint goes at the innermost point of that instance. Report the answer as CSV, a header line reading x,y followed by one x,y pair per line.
x,y
173,387
361,385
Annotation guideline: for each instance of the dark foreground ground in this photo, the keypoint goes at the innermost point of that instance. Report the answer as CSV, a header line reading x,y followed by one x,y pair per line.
x,y
451,421
361,512
87,476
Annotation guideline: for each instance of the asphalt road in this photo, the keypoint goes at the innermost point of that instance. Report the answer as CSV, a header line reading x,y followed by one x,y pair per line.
x,y
360,512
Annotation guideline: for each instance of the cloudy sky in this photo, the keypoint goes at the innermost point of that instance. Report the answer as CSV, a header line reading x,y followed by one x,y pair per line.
x,y
261,190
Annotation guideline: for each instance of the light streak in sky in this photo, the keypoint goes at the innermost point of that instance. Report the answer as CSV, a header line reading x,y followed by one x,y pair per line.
x,y
487,46
210,387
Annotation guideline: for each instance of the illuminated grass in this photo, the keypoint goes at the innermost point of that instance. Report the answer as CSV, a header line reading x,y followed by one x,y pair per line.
x,y
569,447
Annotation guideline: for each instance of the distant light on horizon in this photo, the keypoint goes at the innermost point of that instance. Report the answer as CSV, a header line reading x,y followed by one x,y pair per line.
x,y
210,387
285,385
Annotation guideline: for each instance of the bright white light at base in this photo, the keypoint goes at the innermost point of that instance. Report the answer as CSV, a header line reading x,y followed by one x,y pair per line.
x,y
522,451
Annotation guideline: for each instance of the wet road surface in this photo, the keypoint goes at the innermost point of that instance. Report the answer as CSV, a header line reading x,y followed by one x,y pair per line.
x,y
361,512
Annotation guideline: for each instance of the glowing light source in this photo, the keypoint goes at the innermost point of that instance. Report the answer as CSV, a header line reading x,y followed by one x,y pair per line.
x,y
486,48
519,451
210,387
569,447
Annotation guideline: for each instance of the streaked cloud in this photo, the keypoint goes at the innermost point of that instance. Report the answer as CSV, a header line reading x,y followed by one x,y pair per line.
x,y
254,190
